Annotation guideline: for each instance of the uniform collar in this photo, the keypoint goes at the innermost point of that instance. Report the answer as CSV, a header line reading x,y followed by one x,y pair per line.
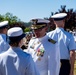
x,y
59,29
15,48
3,35
43,38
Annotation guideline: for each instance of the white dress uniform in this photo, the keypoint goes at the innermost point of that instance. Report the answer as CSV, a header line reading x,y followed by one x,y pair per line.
x,y
66,42
16,62
3,44
45,54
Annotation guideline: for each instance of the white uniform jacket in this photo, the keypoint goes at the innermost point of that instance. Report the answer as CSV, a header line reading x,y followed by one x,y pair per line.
x,y
3,44
16,62
45,53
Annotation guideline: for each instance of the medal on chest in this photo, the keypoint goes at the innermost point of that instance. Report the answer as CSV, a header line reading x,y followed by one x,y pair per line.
x,y
38,50
40,53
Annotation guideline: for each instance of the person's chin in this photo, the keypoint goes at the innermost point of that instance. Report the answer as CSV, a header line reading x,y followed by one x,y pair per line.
x,y
37,36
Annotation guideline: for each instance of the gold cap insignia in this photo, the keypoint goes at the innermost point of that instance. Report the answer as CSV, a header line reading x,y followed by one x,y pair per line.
x,y
37,26
34,21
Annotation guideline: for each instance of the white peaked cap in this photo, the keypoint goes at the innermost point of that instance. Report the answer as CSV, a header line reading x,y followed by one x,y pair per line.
x,y
4,23
15,31
40,20
59,16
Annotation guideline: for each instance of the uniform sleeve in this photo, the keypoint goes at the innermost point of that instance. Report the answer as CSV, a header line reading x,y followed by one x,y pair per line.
x,y
54,61
72,44
31,68
4,46
28,49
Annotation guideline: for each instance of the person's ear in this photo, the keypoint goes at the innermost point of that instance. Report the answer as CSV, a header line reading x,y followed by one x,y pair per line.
x,y
64,20
55,22
46,28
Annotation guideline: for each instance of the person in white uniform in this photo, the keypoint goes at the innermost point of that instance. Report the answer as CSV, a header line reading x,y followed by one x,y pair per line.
x,y
66,44
3,31
44,50
15,61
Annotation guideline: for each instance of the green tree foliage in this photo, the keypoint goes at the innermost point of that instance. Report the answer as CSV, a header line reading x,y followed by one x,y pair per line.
x,y
13,20
1,18
28,24
27,29
18,24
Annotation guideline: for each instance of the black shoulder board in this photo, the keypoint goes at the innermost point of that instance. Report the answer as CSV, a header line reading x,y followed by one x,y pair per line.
x,y
52,41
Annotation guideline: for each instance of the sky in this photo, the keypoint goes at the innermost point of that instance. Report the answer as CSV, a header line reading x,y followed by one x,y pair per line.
x,y
28,9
